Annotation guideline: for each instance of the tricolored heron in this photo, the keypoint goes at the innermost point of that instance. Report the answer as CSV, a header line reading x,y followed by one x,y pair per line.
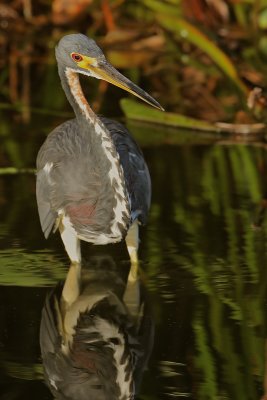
x,y
96,334
92,181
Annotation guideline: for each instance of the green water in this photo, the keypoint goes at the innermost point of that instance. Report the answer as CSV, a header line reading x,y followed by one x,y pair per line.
x,y
203,264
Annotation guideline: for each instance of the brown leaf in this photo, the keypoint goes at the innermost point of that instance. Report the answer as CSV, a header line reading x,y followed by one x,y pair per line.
x,y
221,7
155,42
108,16
120,36
65,11
129,59
7,12
208,12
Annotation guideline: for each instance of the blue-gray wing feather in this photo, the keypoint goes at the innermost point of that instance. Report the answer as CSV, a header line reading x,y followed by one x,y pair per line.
x,y
46,214
136,172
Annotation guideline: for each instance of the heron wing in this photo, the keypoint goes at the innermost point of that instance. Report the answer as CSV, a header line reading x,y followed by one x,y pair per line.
x,y
72,179
136,173
49,155
46,214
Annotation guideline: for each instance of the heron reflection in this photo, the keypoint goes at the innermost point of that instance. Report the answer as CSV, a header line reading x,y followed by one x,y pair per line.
x,y
96,332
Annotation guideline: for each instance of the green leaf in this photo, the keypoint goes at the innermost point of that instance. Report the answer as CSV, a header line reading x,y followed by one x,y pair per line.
x,y
262,21
15,171
162,7
141,112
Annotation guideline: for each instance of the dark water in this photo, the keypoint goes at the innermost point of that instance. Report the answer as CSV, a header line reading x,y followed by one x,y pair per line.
x,y
202,264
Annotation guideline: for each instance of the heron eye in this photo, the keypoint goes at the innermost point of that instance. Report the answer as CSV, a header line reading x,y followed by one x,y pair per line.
x,y
76,57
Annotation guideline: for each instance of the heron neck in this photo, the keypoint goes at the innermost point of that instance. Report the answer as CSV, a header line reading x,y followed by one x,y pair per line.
x,y
72,88
100,138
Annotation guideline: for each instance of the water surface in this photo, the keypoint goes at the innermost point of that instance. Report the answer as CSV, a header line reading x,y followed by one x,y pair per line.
x,y
202,261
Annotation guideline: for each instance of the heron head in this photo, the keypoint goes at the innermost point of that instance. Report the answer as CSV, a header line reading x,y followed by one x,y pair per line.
x,y
82,55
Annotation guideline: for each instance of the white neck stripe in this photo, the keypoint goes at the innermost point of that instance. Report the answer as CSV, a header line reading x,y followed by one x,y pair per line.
x,y
121,209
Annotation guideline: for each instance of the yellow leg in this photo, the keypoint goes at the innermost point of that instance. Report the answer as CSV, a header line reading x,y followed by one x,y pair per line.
x,y
132,291
70,240
71,289
69,296
132,242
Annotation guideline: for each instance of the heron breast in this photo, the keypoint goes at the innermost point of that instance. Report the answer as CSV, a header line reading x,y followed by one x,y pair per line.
x,y
81,212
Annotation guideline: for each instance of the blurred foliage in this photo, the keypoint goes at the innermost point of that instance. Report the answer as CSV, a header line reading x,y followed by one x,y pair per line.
x,y
199,58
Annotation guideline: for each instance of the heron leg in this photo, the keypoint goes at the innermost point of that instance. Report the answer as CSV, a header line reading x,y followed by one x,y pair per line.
x,y
132,242
132,291
71,241
70,294
71,289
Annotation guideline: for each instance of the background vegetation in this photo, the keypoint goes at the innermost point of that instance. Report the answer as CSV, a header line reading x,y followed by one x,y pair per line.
x,y
201,58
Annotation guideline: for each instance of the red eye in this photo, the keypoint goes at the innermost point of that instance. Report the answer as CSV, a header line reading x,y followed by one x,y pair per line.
x,y
76,57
